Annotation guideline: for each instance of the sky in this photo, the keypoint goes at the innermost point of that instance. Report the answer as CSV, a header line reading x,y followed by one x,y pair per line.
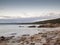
x,y
29,8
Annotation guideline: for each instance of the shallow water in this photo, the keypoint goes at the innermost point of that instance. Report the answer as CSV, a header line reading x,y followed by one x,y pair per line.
x,y
8,29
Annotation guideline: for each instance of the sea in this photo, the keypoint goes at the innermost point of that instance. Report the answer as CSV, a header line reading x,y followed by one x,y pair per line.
x,y
18,30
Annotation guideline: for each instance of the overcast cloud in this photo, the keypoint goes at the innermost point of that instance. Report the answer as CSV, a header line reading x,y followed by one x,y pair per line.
x,y
29,9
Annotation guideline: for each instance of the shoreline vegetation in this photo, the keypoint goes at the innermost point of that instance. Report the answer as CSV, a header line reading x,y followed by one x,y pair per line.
x,y
49,23
46,38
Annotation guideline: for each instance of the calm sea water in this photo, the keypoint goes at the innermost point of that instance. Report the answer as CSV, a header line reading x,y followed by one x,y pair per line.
x,y
8,29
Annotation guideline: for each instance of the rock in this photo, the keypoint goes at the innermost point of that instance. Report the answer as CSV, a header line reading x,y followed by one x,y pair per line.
x,y
31,26
49,25
2,38
32,43
47,38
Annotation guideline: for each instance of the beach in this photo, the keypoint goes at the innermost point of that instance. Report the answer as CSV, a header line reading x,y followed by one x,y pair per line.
x,y
42,38
36,36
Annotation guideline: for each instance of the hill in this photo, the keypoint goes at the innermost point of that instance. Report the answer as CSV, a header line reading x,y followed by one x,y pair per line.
x,y
53,21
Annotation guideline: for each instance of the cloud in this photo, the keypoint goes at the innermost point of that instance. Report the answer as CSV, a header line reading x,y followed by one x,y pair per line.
x,y
30,19
26,15
4,17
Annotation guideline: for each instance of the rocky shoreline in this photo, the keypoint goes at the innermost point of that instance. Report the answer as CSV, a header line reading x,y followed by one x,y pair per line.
x,y
47,25
46,38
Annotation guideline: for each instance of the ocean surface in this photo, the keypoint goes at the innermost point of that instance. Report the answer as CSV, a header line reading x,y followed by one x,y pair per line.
x,y
8,30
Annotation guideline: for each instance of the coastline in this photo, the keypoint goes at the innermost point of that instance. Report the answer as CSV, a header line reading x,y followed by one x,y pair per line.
x,y
41,38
